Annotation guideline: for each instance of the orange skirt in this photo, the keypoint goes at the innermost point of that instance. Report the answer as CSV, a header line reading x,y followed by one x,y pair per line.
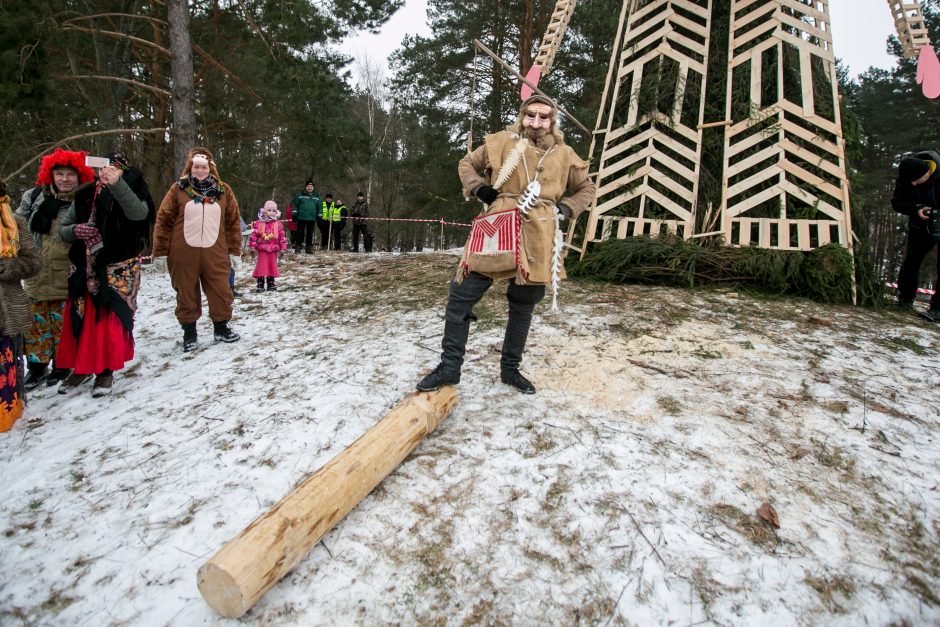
x,y
11,401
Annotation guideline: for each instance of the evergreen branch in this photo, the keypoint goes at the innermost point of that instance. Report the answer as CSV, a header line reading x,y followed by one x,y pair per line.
x,y
159,91
65,140
130,15
116,35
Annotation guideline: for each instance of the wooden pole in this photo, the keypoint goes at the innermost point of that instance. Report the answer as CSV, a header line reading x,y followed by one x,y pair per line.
x,y
251,563
522,78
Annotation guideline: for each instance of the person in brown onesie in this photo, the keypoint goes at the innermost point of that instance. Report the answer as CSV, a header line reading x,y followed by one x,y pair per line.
x,y
198,231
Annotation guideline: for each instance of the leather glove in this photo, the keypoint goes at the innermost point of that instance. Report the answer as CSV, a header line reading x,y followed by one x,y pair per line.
x,y
235,261
564,211
486,193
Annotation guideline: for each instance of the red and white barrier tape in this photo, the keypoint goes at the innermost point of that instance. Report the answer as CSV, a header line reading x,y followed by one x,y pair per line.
x,y
438,221
920,290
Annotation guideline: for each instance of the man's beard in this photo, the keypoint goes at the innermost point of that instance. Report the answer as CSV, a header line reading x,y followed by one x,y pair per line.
x,y
533,134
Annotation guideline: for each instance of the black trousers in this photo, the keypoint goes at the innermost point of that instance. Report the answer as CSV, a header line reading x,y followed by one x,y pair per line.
x,y
460,302
338,235
304,233
919,243
324,226
358,229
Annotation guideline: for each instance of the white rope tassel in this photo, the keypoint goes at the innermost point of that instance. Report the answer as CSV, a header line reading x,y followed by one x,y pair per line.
x,y
510,164
530,197
556,260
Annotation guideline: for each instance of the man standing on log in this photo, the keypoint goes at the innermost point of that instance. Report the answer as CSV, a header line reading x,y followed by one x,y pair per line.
x,y
531,179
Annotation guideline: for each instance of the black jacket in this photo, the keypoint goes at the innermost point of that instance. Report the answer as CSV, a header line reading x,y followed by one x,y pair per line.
x,y
908,198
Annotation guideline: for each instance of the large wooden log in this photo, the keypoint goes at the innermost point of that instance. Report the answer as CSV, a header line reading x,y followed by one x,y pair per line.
x,y
248,565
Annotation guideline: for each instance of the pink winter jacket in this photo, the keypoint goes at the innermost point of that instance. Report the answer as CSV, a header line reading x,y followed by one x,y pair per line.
x,y
268,237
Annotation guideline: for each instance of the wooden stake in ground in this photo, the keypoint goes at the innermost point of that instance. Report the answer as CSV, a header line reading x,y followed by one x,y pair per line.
x,y
248,565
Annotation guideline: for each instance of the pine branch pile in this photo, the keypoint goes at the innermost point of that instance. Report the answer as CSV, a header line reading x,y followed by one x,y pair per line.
x,y
823,274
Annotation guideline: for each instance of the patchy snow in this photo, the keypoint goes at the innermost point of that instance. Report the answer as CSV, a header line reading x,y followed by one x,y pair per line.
x,y
624,492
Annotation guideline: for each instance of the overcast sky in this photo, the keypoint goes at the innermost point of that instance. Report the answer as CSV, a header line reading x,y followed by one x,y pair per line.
x,y
859,29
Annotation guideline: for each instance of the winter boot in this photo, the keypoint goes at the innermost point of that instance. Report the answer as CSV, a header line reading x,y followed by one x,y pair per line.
x,y
35,374
516,380
72,382
260,283
57,376
223,333
189,337
442,375
271,286
103,382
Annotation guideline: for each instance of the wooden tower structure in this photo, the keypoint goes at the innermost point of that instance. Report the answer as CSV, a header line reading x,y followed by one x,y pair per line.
x,y
781,182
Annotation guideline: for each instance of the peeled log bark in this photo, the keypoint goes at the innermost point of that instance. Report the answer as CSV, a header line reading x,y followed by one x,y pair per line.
x,y
248,565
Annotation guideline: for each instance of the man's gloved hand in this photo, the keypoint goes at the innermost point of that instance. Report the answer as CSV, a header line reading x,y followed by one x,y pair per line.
x,y
564,211
235,261
486,193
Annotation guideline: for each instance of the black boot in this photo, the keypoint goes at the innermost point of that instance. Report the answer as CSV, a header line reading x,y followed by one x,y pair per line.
x,y
271,286
57,375
516,380
260,282
189,337
438,377
35,374
223,333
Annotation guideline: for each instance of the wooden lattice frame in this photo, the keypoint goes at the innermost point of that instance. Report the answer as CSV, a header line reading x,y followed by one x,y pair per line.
x,y
555,32
909,22
646,156
784,157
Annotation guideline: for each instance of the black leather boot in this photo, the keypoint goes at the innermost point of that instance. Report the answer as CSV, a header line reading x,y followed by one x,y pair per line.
x,y
223,333
57,376
189,337
438,377
516,380
35,373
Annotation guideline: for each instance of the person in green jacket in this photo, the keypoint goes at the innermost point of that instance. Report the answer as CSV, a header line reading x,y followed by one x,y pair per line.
x,y
307,208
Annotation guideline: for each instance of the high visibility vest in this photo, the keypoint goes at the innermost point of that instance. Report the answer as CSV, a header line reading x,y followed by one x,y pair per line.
x,y
336,212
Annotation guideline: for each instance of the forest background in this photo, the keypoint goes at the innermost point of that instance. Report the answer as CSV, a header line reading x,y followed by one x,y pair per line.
x,y
275,101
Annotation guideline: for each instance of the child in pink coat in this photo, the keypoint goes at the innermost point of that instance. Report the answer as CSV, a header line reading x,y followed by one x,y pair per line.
x,y
267,238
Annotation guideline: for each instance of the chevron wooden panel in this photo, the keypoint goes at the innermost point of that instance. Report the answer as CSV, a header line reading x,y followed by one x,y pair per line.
x,y
784,170
650,143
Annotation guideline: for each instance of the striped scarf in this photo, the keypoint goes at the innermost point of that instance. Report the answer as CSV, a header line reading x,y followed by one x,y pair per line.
x,y
9,232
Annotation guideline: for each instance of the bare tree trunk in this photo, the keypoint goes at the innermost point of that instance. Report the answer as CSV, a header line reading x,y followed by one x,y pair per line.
x,y
181,69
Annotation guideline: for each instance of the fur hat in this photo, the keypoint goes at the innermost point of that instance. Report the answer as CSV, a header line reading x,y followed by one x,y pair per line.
x,y
72,159
912,168
199,150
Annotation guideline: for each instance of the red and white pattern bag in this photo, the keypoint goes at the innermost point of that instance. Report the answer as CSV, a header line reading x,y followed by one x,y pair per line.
x,y
493,245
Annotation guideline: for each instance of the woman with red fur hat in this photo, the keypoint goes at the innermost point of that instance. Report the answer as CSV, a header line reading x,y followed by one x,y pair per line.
x,y
61,175
198,231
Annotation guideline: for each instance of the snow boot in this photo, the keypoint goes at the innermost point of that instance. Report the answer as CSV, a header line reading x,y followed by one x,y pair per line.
x,y
271,286
103,382
442,375
72,382
189,337
223,333
35,374
516,380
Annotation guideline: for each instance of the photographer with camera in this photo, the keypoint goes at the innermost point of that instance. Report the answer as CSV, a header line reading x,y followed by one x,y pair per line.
x,y
917,195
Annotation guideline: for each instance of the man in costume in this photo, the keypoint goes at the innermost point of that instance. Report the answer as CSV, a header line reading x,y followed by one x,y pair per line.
x,y
528,172
61,175
916,195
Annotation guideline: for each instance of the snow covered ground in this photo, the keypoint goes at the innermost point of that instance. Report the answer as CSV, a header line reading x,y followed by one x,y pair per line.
x,y
624,492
